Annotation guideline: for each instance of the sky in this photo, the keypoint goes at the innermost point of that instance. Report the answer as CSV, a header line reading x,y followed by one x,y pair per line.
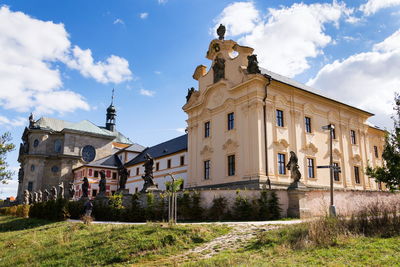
x,y
62,58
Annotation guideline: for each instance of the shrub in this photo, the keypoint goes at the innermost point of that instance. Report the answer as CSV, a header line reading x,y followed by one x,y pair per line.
x,y
18,210
219,209
242,208
135,213
273,206
76,209
50,210
263,208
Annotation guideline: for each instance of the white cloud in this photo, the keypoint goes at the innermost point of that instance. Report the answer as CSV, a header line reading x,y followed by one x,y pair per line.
x,y
29,76
9,189
12,122
143,15
147,92
115,69
365,80
239,18
294,33
181,130
157,72
373,6
162,2
118,21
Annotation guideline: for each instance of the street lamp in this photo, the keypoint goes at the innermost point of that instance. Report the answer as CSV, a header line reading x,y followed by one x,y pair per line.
x,y
331,128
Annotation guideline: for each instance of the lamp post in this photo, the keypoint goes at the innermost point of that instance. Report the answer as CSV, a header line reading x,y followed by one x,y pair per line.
x,y
331,128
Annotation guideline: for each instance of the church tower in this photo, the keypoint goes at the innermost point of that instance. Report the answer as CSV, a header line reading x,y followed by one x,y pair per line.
x,y
111,114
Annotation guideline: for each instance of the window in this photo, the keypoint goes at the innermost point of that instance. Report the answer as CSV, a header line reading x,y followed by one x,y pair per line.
x,y
32,168
182,160
157,166
307,122
335,173
96,173
114,175
168,163
137,171
90,172
35,143
333,132
281,164
30,186
57,146
357,174
207,129
108,173
353,137
311,168
54,169
231,121
94,192
136,190
206,170
181,186
112,192
231,165
279,118
376,151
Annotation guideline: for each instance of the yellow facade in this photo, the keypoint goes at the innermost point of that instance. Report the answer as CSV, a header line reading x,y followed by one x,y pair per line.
x,y
254,100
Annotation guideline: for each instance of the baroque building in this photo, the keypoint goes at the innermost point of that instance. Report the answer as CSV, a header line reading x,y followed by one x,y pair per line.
x,y
53,148
244,120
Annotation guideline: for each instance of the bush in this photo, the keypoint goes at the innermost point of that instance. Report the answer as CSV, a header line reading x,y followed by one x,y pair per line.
x,y
242,208
273,206
18,210
76,209
54,210
189,208
219,209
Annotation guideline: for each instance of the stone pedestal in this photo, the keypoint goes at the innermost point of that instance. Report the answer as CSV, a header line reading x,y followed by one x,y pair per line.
x,y
297,201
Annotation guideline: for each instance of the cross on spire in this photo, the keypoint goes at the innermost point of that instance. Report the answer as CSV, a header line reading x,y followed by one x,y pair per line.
x,y
112,97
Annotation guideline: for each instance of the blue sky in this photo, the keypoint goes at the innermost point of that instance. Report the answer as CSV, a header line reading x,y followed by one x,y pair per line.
x,y
62,58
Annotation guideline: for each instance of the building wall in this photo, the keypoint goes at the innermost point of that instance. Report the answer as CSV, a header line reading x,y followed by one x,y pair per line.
x,y
44,157
89,172
135,182
244,95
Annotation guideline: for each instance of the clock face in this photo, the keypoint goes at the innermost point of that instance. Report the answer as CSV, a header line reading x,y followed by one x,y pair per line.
x,y
88,153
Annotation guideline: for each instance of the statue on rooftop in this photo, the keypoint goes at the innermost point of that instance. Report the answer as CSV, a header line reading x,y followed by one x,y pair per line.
x,y
221,32
293,167
219,69
189,94
148,174
40,196
31,121
252,66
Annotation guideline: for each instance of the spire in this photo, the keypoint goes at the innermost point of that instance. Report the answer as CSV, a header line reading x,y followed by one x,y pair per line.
x,y
111,114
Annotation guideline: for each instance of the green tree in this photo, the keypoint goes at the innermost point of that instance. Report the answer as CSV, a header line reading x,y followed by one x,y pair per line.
x,y
5,147
389,173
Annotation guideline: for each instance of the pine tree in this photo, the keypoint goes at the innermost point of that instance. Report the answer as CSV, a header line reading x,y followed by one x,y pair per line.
x,y
389,173
263,211
5,147
273,206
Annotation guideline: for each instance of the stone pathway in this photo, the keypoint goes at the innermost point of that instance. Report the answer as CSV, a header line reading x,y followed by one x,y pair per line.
x,y
238,237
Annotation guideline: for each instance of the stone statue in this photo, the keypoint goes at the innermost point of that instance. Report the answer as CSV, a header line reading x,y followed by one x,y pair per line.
x,y
46,195
61,188
53,193
35,197
102,184
31,121
26,197
189,94
219,69
221,32
148,173
85,187
71,190
30,198
293,167
40,196
252,66
123,177
20,175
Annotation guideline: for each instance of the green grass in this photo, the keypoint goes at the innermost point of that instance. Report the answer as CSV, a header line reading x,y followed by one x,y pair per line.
x,y
275,250
30,242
